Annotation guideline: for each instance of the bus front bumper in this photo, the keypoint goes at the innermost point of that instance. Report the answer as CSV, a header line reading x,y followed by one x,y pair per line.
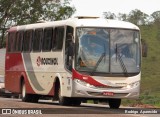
x,y
81,90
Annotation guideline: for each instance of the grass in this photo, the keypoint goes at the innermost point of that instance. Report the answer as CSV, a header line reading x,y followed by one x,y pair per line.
x,y
151,64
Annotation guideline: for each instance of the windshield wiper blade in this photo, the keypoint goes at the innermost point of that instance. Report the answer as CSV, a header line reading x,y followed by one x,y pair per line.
x,y
98,62
122,65
119,57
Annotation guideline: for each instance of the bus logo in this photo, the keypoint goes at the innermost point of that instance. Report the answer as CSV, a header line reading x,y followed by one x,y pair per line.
x,y
46,61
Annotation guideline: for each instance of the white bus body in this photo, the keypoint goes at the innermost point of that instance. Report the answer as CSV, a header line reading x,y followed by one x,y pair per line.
x,y
66,70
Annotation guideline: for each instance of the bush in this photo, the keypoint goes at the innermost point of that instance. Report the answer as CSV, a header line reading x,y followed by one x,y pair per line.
x,y
147,98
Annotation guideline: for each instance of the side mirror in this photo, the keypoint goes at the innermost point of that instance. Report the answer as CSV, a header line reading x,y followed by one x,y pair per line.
x,y
144,49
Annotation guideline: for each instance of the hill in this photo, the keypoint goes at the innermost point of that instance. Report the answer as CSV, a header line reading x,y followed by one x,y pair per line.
x,y
151,64
150,84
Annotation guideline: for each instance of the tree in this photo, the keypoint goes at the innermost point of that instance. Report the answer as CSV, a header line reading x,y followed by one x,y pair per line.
x,y
137,17
122,17
109,15
156,16
18,12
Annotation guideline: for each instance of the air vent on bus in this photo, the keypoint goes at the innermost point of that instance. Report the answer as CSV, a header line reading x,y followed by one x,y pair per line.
x,y
86,17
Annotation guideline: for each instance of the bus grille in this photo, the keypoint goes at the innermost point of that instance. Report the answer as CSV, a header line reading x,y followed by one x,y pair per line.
x,y
103,87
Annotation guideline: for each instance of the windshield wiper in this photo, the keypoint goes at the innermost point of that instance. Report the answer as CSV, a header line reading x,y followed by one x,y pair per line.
x,y
98,62
121,62
123,65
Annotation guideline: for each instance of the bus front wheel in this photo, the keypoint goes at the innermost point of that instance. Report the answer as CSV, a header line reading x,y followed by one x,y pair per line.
x,y
114,103
63,100
67,101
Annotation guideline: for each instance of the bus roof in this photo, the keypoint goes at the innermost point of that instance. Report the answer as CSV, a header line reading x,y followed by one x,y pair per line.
x,y
80,22
99,22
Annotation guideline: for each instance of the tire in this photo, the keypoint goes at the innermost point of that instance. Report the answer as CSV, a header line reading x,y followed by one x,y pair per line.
x,y
114,103
28,97
67,101
25,97
63,100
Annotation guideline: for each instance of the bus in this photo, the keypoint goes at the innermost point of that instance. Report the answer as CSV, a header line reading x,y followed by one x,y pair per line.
x,y
73,60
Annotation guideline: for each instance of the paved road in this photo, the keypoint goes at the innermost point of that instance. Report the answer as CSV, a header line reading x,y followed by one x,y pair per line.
x,y
49,108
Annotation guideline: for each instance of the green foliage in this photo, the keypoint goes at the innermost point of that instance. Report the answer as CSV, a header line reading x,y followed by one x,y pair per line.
x,y
19,12
30,11
151,64
156,16
137,17
109,15
148,98
145,98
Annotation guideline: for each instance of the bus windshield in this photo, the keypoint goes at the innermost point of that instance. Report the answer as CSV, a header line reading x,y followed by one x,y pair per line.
x,y
105,50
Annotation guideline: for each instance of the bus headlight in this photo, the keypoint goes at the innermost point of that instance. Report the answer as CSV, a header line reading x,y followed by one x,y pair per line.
x,y
132,85
84,83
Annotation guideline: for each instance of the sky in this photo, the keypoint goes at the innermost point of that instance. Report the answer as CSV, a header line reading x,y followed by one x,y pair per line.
x,y
97,7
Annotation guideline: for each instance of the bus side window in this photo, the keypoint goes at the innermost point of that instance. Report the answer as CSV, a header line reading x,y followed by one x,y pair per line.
x,y
27,42
38,36
19,39
15,43
59,35
47,40
11,38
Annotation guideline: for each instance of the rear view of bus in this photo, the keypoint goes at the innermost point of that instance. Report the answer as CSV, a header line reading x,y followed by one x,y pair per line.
x,y
95,59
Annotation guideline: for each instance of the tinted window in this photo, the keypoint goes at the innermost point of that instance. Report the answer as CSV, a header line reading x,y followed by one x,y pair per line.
x,y
38,35
18,43
58,40
47,40
27,41
11,38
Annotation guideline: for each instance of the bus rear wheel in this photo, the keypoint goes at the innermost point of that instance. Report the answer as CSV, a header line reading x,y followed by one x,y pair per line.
x,y
24,95
28,97
114,103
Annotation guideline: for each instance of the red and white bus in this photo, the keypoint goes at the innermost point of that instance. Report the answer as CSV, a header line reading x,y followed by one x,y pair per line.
x,y
73,60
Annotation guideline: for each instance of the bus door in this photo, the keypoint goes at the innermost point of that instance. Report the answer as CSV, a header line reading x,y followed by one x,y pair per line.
x,y
69,48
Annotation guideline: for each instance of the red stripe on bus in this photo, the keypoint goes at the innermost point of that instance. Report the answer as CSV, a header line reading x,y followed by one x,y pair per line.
x,y
86,78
